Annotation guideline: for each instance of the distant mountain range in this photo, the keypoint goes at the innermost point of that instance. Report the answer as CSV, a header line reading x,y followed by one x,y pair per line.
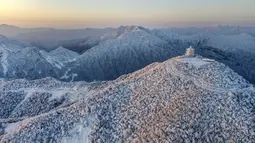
x,y
111,58
122,51
50,38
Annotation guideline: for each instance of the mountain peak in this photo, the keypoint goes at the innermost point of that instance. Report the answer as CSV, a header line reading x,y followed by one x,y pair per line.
x,y
123,29
8,26
60,48
130,28
196,60
169,101
206,72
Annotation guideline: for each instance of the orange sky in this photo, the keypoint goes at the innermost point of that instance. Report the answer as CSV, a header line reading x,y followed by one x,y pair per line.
x,y
102,13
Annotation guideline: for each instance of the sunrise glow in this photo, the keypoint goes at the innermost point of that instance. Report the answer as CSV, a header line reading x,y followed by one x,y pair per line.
x,y
101,13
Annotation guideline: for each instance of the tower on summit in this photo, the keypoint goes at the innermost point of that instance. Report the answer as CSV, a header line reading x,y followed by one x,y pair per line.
x,y
190,52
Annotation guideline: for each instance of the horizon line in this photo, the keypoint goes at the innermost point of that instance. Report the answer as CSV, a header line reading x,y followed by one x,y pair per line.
x,y
105,27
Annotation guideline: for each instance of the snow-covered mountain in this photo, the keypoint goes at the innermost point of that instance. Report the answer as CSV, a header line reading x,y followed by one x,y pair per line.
x,y
127,53
236,51
11,44
29,63
231,42
51,38
184,99
130,51
135,47
60,55
127,49
18,61
7,48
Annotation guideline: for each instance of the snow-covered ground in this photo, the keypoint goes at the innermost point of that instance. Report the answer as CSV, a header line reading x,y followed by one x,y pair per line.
x,y
162,102
195,61
80,133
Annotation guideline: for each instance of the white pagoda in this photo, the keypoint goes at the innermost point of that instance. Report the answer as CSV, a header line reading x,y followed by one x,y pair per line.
x,y
190,52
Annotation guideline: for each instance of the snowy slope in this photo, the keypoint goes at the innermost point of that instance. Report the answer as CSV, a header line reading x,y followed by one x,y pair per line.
x,y
231,42
173,101
7,47
12,45
18,61
64,53
129,52
4,64
29,63
59,57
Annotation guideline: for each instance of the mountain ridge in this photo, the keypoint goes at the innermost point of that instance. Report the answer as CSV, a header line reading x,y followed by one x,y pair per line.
x,y
164,102
112,55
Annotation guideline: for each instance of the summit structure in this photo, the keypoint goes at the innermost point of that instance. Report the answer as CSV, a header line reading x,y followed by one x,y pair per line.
x,y
190,52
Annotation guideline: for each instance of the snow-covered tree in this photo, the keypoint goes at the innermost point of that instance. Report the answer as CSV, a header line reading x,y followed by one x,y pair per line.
x,y
190,52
